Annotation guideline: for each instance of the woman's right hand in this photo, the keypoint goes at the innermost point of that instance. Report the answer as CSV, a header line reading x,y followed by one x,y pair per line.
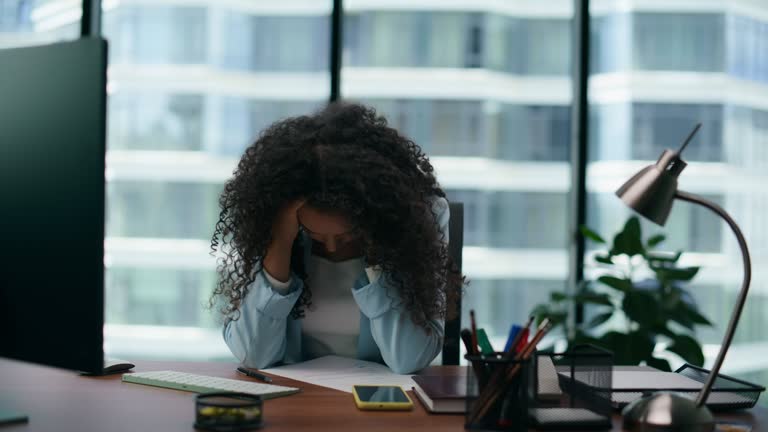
x,y
285,228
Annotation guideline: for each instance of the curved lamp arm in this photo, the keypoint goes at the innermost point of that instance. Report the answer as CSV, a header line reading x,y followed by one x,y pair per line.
x,y
684,196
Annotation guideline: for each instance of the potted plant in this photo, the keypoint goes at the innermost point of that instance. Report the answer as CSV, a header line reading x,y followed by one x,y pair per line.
x,y
638,302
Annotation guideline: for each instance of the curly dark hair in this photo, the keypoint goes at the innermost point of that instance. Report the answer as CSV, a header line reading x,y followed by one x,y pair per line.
x,y
347,159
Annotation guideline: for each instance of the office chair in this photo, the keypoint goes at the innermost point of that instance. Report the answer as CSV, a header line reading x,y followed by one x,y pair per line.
x,y
452,337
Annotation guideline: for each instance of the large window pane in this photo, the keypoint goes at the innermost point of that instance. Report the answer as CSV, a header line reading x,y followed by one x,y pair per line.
x,y
678,42
162,209
36,22
155,121
191,85
414,66
655,75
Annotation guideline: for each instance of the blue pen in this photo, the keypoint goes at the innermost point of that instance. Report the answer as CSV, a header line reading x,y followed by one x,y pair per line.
x,y
513,331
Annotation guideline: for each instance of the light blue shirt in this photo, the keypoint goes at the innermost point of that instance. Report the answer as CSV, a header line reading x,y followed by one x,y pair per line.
x,y
266,334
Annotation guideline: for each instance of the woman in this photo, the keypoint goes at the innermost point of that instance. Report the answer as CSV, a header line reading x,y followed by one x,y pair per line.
x,y
334,236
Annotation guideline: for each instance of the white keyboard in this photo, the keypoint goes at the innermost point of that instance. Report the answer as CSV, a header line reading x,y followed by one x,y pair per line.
x,y
204,384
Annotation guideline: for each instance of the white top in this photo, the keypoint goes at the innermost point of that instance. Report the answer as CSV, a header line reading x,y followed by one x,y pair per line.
x,y
331,325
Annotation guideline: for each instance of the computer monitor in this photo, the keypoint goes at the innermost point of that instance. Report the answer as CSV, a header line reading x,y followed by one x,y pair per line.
x,y
52,149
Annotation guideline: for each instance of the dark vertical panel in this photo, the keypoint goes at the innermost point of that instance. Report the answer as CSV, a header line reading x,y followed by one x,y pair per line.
x,y
52,134
337,21
579,129
90,23
451,337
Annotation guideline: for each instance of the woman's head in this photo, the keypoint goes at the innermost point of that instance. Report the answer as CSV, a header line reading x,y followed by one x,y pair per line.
x,y
360,180
331,229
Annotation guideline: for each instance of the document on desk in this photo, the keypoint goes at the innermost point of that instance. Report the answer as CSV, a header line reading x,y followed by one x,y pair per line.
x,y
341,373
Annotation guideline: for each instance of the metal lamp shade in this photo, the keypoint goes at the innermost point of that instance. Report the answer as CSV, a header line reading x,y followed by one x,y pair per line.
x,y
652,190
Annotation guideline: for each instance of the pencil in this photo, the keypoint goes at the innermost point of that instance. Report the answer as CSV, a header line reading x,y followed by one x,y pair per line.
x,y
480,374
475,349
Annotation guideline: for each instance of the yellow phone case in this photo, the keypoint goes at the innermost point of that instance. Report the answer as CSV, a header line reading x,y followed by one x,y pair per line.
x,y
382,406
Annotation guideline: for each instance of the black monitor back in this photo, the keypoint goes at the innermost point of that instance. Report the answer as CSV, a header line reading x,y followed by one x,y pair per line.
x,y
52,150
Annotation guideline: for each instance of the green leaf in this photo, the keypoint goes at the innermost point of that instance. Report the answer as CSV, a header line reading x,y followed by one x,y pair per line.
x,y
658,363
698,318
641,307
620,284
593,298
663,330
582,338
628,349
557,318
682,319
588,233
682,274
655,240
690,314
558,296
540,310
687,348
629,241
605,259
599,319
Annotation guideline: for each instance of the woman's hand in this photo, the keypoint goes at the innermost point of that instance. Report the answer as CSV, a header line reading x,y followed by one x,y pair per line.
x,y
285,228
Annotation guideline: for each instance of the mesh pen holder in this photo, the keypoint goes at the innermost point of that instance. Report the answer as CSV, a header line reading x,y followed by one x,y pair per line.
x,y
497,393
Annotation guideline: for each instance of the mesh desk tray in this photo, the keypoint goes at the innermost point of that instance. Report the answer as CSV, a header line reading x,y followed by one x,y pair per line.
x,y
727,393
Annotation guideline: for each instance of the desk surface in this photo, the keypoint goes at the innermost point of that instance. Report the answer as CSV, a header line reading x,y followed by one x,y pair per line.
x,y
58,400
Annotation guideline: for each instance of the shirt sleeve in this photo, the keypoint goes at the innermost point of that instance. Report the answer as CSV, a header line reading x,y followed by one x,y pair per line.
x,y
258,337
405,346
279,286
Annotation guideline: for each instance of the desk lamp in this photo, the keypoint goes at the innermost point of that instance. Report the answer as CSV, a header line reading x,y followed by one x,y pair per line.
x,y
651,193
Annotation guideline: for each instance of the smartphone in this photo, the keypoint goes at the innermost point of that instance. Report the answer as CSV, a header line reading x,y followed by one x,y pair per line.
x,y
370,397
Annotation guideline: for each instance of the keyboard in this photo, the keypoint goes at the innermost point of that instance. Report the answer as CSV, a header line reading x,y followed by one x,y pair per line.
x,y
204,384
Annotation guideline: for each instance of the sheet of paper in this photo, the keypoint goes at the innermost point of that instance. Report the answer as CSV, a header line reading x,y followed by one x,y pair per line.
x,y
341,373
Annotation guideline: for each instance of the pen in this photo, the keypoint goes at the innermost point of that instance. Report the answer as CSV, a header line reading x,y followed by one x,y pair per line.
x,y
253,374
512,346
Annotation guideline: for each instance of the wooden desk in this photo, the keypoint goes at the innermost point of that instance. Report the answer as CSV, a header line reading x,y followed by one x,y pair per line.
x,y
58,400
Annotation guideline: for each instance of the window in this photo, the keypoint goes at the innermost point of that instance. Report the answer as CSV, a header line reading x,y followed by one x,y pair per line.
x,y
747,41
274,43
191,86
656,127
528,46
657,41
37,22
152,209
678,42
636,115
157,35
497,302
535,220
155,121
534,133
